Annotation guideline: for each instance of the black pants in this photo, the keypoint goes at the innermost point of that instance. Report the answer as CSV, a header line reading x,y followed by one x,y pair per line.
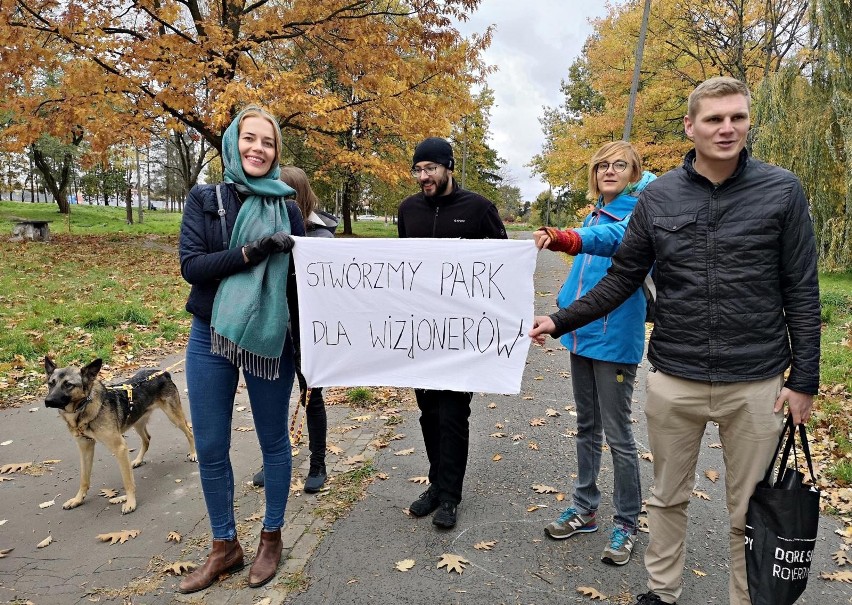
x,y
317,426
444,420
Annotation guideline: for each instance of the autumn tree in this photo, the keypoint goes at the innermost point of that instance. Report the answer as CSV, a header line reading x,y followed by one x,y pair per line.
x,y
384,72
686,44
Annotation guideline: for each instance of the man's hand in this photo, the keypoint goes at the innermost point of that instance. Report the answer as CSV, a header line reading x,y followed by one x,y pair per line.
x,y
541,325
799,404
542,239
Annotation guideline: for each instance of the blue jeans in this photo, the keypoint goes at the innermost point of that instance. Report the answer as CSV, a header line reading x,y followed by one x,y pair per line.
x,y
212,384
603,394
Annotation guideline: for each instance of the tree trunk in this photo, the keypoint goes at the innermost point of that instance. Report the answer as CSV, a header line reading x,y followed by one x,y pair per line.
x,y
128,203
57,187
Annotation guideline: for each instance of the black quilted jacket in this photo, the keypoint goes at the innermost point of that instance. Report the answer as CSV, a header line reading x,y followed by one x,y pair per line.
x,y
736,275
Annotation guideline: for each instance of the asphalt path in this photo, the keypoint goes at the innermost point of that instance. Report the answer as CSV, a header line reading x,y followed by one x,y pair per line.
x,y
353,560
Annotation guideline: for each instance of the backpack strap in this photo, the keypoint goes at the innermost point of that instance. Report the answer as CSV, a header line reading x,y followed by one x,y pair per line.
x,y
225,237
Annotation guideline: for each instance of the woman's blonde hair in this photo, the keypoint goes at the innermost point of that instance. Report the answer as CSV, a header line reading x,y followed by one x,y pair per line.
x,y
254,111
608,152
305,196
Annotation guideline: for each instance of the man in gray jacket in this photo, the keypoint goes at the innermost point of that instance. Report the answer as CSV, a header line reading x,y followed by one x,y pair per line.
x,y
737,305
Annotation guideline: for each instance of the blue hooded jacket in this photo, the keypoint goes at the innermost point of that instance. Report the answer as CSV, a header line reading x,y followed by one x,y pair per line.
x,y
618,337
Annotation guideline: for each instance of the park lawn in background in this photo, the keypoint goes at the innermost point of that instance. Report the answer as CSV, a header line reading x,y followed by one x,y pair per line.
x,y
89,220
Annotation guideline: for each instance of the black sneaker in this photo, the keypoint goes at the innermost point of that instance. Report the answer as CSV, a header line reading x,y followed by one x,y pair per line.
x,y
446,516
316,479
651,598
257,480
425,504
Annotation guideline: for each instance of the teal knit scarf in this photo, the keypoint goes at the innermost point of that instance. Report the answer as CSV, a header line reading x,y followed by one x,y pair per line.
x,y
250,314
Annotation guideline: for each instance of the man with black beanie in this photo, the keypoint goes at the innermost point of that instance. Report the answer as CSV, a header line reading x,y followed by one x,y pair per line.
x,y
443,209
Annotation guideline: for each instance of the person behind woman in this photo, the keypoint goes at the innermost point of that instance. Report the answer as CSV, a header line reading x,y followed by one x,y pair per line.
x,y
317,224
604,354
234,251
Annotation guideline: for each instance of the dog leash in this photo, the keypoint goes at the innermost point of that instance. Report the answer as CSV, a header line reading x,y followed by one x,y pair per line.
x,y
296,433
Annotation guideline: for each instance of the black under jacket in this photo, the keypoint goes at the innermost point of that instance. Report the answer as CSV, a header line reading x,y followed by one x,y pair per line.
x,y
205,259
736,276
460,213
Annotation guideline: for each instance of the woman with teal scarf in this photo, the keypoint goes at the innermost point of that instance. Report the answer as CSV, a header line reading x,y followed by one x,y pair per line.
x,y
235,252
604,355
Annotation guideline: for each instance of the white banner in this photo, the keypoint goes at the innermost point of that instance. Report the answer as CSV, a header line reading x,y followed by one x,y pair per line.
x,y
426,313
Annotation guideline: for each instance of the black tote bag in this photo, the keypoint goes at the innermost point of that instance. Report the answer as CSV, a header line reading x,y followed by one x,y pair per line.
x,y
781,528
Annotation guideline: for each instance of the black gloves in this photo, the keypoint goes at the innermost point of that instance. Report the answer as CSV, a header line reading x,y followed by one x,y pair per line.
x,y
259,249
283,242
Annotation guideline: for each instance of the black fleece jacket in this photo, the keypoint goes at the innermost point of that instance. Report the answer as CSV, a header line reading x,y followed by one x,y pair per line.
x,y
460,213
736,276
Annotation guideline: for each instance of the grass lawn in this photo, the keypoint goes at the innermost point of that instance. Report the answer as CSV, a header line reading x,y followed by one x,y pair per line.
x,y
102,288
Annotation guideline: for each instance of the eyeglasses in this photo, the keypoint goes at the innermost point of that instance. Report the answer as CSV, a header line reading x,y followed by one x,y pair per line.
x,y
430,170
618,166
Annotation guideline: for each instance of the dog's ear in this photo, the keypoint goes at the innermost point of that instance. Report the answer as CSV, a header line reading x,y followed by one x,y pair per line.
x,y
49,366
90,372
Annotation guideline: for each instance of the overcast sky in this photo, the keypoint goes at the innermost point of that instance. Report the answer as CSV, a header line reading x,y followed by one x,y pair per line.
x,y
534,43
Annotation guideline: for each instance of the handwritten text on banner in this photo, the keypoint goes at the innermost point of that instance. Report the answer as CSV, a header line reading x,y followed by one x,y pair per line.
x,y
426,313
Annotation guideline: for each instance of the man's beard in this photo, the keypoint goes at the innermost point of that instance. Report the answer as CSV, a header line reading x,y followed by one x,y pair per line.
x,y
440,186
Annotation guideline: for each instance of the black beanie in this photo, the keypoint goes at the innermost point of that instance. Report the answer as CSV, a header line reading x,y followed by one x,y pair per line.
x,y
434,149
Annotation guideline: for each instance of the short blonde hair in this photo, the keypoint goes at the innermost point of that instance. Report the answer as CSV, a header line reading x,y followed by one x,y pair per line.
x,y
255,111
607,152
306,199
720,86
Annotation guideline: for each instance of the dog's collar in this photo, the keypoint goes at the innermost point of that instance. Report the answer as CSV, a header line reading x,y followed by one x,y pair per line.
x,y
82,407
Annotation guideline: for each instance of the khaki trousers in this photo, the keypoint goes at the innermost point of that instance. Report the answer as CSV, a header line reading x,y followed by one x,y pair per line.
x,y
678,411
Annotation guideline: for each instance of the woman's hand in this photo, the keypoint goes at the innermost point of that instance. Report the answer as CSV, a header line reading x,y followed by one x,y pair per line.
x,y
542,239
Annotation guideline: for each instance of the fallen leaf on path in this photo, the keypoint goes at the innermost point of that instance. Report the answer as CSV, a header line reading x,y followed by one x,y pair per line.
x,y
497,458
485,545
404,565
699,494
51,461
535,507
560,497
354,459
179,568
254,517
333,449
174,537
45,542
420,480
454,563
544,489
398,436
538,422
715,446
49,503
119,536
539,378
842,557
533,446
362,418
5,479
647,456
518,437
551,413
244,429
297,485
497,435
3,521
15,467
8,442
837,576
492,405
527,397
407,452
592,593
382,476
5,552
711,474
241,408
699,573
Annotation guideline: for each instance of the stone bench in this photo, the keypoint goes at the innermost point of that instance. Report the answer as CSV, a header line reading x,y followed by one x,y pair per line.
x,y
36,231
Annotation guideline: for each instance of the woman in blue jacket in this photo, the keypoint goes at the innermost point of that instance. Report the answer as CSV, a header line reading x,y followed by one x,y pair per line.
x,y
604,354
234,251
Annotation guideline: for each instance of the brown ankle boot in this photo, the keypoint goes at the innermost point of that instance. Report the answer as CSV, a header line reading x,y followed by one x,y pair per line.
x,y
267,559
225,557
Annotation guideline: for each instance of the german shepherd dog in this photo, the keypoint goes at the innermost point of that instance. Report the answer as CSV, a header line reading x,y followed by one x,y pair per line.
x,y
97,412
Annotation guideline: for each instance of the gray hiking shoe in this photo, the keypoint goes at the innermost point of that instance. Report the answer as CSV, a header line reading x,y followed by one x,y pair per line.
x,y
620,546
571,522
